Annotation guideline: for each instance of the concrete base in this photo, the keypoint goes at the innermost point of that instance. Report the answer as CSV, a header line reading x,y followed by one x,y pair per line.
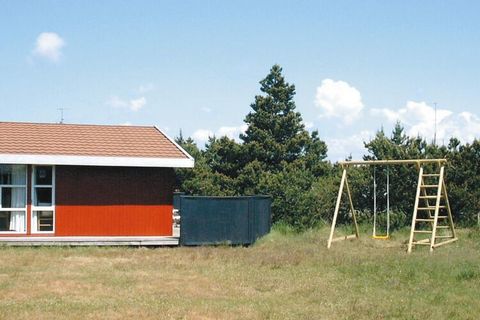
x,y
89,241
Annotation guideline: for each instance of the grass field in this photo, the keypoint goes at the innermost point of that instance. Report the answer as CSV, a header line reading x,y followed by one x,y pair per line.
x,y
284,276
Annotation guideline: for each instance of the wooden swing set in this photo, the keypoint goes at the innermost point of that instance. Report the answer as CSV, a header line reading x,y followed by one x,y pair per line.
x,y
431,211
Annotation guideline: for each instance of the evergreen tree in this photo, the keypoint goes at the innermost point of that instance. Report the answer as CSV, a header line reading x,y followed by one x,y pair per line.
x,y
225,156
463,181
278,157
202,180
275,130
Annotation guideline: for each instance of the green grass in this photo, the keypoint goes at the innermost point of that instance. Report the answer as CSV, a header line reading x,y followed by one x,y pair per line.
x,y
284,276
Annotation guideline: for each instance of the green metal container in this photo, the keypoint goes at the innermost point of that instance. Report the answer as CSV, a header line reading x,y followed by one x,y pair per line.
x,y
224,220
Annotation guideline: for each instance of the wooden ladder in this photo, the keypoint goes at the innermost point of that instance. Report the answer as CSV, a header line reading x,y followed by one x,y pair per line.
x,y
432,218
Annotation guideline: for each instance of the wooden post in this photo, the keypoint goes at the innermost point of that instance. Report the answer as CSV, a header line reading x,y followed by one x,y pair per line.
x,y
351,208
337,207
437,209
415,210
449,211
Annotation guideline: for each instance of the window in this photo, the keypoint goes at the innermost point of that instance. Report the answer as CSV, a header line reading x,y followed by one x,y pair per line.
x,y
44,220
13,195
42,186
43,194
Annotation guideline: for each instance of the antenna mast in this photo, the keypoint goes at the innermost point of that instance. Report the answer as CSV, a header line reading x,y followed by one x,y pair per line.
x,y
435,130
61,114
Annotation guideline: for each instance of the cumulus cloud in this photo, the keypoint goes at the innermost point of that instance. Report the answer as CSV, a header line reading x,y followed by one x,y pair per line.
x,y
202,135
232,132
133,104
419,120
339,148
49,46
338,99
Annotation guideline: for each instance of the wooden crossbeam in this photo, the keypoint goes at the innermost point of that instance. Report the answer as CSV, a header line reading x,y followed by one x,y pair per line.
x,y
392,162
444,242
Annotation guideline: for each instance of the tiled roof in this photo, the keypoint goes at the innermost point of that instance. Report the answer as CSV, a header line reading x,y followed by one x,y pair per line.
x,y
86,140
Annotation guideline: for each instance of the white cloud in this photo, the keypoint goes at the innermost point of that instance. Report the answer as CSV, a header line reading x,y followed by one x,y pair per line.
x,y
137,104
202,135
231,132
206,109
49,45
128,123
338,99
134,104
341,148
413,114
419,119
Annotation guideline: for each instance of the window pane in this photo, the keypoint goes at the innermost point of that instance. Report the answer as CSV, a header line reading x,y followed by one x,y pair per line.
x,y
13,174
43,175
4,221
43,197
13,197
44,220
13,221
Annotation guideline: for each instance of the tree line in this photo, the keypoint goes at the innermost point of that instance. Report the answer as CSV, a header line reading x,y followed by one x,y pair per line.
x,y
277,156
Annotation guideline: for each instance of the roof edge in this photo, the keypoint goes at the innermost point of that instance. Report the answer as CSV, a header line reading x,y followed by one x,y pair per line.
x,y
175,143
75,124
97,161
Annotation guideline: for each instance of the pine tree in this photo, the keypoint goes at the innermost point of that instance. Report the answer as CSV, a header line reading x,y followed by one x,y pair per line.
x,y
275,130
278,157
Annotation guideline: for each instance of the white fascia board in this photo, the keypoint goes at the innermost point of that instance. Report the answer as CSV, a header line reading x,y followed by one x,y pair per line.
x,y
96,161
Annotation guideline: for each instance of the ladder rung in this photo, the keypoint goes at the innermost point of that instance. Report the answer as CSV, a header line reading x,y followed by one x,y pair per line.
x,y
430,208
429,186
443,237
424,220
430,175
422,231
442,217
427,197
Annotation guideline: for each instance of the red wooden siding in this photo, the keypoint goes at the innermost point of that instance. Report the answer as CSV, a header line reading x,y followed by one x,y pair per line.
x,y
113,201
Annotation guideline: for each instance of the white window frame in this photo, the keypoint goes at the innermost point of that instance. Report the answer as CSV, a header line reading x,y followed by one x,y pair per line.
x,y
16,209
34,208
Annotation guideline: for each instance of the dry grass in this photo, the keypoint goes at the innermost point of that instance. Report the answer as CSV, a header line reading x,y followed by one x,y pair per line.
x,y
284,276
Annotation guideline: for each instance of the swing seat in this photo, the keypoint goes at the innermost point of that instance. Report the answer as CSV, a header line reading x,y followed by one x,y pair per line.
x,y
381,237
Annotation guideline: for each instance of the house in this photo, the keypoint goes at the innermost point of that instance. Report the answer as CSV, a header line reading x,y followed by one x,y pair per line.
x,y
70,180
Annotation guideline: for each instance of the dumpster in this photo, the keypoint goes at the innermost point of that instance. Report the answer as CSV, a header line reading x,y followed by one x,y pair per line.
x,y
223,220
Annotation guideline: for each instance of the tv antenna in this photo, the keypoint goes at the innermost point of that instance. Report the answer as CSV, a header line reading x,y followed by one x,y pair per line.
x,y
62,119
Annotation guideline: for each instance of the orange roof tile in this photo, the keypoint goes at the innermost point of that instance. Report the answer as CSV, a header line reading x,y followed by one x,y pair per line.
x,y
86,140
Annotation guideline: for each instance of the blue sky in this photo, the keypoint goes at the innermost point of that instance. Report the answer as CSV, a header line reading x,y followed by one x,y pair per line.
x,y
195,65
